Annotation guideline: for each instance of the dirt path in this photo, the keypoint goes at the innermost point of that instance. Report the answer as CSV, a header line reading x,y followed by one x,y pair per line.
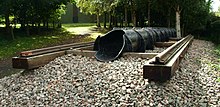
x,y
92,31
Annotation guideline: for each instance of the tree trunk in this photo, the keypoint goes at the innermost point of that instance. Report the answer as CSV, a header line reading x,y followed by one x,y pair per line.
x,y
110,20
9,29
98,20
32,24
44,23
38,28
141,18
183,30
7,23
126,16
121,22
134,18
22,24
47,25
27,30
11,32
148,13
168,18
115,21
53,24
105,19
59,24
178,29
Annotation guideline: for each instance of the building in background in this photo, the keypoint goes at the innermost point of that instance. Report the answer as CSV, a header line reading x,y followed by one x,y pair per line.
x,y
73,15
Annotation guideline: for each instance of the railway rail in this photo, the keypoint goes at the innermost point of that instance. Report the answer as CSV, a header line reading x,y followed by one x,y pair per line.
x,y
167,55
40,57
55,49
159,67
163,65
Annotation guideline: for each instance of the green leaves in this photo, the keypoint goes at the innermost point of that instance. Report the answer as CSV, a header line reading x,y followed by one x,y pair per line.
x,y
96,6
34,11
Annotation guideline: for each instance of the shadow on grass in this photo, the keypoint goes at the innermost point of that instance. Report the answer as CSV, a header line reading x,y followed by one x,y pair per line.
x,y
46,38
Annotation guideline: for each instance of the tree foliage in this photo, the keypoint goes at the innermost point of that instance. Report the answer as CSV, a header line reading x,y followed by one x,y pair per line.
x,y
32,12
194,14
97,7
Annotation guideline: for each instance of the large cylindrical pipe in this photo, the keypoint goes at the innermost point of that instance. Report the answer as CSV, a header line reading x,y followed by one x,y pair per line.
x,y
110,46
157,34
147,39
113,44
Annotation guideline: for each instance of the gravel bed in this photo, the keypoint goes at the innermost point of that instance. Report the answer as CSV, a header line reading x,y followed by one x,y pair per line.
x,y
156,50
81,81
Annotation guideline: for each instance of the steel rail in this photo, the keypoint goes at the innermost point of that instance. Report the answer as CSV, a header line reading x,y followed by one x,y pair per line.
x,y
158,71
166,55
54,49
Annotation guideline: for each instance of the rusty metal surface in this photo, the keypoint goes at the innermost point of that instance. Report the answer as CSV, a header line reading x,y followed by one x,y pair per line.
x,y
54,49
164,71
165,56
40,57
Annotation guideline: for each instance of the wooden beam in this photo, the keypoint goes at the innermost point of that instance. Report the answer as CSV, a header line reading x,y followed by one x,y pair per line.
x,y
158,72
55,49
41,60
35,61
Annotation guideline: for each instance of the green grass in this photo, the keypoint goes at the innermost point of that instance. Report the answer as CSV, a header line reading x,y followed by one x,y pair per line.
x,y
54,37
70,25
10,48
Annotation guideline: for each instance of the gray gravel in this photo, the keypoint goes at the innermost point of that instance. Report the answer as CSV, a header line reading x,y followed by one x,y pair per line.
x,y
156,50
82,81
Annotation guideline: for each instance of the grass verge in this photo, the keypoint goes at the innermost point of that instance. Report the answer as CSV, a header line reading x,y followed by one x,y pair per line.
x,y
21,43
70,25
48,38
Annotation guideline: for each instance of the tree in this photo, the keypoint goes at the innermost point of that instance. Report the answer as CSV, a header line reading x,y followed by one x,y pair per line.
x,y
97,7
32,12
182,8
6,10
148,12
91,7
218,8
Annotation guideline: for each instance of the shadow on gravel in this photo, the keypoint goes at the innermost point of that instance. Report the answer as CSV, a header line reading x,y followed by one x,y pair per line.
x,y
27,72
6,68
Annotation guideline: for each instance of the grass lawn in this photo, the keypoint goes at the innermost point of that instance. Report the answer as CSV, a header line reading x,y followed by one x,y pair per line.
x,y
71,33
9,48
70,25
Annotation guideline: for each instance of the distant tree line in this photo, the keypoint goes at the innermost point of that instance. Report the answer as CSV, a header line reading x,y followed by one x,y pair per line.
x,y
31,13
185,15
